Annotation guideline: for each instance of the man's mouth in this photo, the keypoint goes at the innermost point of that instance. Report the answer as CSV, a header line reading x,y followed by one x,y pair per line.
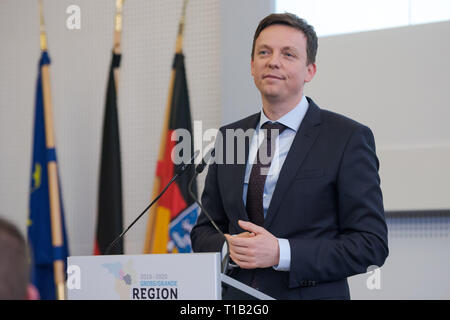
x,y
273,76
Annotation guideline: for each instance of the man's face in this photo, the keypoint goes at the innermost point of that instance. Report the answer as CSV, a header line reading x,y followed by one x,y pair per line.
x,y
279,66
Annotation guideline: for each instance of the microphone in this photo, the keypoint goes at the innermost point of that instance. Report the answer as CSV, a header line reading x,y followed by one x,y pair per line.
x,y
178,172
205,160
199,170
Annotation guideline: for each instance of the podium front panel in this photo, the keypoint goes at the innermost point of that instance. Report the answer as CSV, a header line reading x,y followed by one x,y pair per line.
x,y
186,276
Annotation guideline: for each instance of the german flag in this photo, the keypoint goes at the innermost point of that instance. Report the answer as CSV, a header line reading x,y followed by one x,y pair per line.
x,y
109,219
109,215
176,199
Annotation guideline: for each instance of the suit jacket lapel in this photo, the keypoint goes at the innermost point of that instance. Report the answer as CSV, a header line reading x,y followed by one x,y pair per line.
x,y
303,141
235,178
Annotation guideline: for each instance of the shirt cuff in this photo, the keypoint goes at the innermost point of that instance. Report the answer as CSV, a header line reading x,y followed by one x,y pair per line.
x,y
224,250
284,264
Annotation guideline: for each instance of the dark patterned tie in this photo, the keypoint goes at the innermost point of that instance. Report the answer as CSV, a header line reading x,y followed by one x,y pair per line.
x,y
259,173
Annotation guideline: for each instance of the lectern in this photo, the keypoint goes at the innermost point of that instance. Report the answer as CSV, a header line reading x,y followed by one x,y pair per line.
x,y
184,276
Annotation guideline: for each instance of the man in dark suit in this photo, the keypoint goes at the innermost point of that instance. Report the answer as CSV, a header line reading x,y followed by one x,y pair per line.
x,y
304,211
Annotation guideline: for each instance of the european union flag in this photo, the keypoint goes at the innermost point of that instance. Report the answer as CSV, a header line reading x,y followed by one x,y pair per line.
x,y
44,253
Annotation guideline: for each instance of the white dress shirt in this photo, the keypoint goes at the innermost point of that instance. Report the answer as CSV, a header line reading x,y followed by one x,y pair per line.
x,y
292,121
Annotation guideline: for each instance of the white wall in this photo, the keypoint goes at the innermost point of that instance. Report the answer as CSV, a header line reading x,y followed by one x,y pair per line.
x,y
418,263
239,21
396,81
79,70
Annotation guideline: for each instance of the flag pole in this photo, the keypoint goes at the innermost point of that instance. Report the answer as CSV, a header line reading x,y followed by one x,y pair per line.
x,y
149,238
117,49
43,36
55,205
118,26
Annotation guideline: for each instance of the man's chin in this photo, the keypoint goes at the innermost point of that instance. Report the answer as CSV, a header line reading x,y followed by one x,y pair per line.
x,y
272,95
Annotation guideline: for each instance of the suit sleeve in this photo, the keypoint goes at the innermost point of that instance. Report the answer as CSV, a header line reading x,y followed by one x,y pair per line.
x,y
362,239
204,236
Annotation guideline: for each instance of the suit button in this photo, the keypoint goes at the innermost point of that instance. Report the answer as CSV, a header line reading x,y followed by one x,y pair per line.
x,y
307,283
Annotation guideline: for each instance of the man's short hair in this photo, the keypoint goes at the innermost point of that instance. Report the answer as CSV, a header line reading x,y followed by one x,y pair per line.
x,y
293,21
14,262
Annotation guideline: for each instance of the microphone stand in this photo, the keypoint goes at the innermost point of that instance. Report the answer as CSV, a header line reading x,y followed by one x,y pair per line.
x,y
179,172
198,170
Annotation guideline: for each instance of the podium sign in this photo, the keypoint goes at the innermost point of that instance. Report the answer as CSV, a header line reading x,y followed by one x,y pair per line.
x,y
186,276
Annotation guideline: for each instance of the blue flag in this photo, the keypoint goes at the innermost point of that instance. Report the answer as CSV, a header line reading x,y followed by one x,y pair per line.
x,y
180,229
39,224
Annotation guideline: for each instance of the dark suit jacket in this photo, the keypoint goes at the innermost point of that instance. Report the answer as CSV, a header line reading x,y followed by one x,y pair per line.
x,y
327,203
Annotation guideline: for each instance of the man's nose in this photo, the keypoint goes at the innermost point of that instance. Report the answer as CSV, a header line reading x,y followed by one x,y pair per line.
x,y
274,61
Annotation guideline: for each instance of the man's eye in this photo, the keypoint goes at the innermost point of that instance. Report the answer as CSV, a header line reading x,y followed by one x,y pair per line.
x,y
288,54
263,52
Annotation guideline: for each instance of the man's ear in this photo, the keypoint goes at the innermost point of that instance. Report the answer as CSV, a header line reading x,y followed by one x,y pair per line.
x,y
252,66
311,70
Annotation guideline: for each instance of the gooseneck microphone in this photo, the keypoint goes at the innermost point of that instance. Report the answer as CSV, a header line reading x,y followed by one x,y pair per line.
x,y
199,170
180,170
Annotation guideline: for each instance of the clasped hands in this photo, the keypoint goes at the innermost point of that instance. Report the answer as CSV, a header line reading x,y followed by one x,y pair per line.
x,y
255,248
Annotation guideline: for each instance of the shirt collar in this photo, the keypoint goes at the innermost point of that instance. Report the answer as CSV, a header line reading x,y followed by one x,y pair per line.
x,y
292,119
